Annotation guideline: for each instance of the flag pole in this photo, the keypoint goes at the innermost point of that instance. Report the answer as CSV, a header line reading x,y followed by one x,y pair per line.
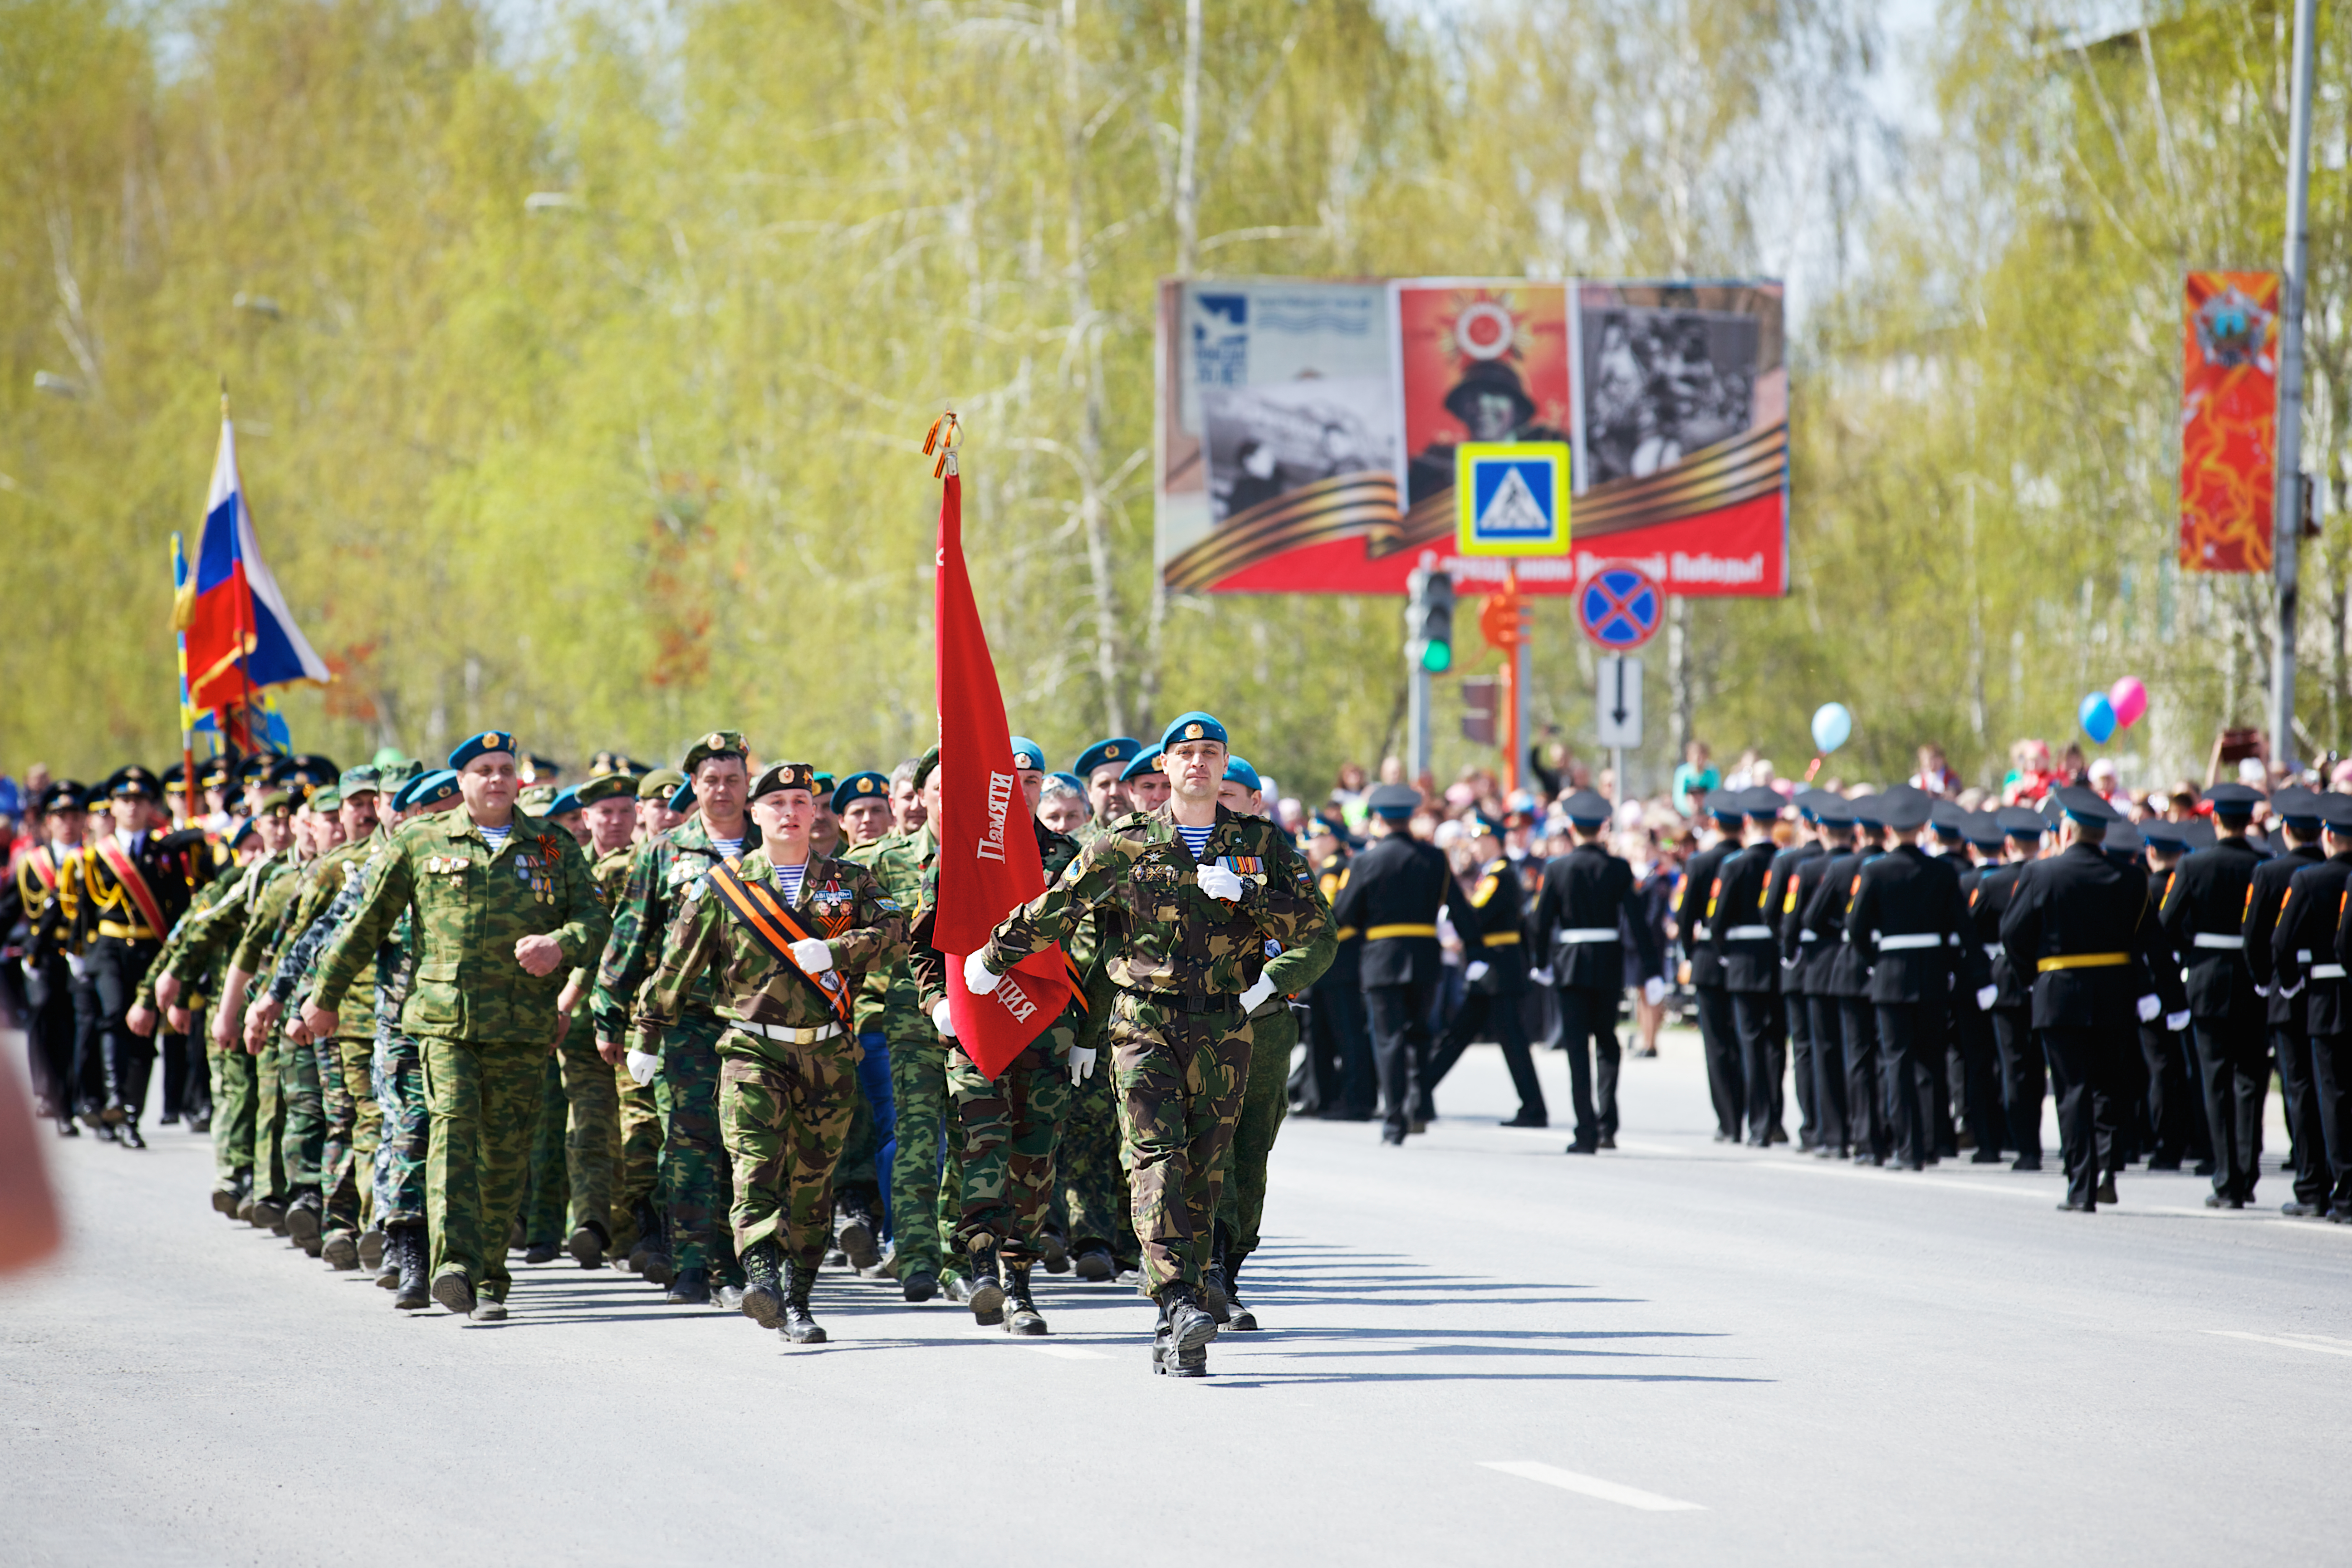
x,y
244,603
187,736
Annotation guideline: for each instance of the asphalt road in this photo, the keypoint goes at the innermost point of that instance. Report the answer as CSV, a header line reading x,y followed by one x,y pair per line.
x,y
1477,1348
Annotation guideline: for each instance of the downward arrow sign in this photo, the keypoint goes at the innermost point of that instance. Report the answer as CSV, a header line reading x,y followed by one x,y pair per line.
x,y
1618,713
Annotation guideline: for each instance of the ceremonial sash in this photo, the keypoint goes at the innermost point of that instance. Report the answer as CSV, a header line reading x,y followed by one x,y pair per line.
x,y
44,868
771,925
126,872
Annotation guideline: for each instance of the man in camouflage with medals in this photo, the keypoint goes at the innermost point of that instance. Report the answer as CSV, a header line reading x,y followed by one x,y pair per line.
x,y
1194,894
780,940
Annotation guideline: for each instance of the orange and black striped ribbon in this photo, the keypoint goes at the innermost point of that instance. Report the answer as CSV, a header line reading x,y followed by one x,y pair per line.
x,y
771,925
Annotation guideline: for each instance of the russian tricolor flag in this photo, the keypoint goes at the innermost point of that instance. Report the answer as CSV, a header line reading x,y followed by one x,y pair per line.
x,y
231,608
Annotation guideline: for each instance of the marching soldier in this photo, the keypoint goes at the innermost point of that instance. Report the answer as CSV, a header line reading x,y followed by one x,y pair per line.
x,y
1806,961
1584,913
2297,812
2204,916
1694,921
591,1117
1739,937
1796,1009
1495,976
1847,980
1100,766
47,881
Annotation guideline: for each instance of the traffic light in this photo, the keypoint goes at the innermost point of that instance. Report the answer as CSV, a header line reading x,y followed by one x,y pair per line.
x,y
1429,619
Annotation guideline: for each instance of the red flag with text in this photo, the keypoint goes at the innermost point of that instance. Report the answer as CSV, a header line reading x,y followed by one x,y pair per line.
x,y
988,853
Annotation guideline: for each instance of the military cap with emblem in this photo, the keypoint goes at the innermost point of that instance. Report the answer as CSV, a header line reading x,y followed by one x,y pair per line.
x,y
783,776
482,745
658,784
2086,805
565,803
604,786
822,786
1194,726
66,794
1146,762
604,765
214,773
274,801
363,779
315,770
130,781
537,769
1238,771
871,785
329,799
429,791
175,779
926,765
717,743
536,798
1395,802
239,831
2233,801
1028,756
254,766
1587,808
1120,748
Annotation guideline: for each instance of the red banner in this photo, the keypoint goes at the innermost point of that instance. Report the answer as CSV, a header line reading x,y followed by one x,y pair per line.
x,y
2229,421
988,853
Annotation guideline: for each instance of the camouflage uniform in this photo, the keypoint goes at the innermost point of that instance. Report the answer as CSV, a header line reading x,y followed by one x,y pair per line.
x,y
1180,1045
288,1130
784,1104
890,1004
484,1022
397,1071
693,1177
352,1121
1090,1195
1266,1097
588,1089
196,956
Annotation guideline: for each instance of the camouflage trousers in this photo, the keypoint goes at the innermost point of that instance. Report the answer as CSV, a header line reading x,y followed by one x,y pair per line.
x,y
697,1185
1265,1099
918,1094
861,1147
232,1072
483,1098
786,1111
591,1129
397,1070
1008,1127
1090,1192
636,1157
1180,1077
354,1125
302,1141
546,1190
269,1124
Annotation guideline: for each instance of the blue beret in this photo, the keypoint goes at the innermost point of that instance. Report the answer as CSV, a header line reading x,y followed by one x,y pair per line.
x,y
425,790
1076,782
240,833
681,799
1238,771
1028,753
1147,761
868,786
1120,748
489,740
1194,726
567,800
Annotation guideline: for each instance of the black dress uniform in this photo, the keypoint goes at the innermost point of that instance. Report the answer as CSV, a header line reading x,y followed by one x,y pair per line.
x,y
2024,1079
1495,937
2298,812
2175,1113
122,940
1741,937
1805,960
1719,1031
2305,968
50,1010
1393,893
1974,1059
1796,1012
1909,919
2204,915
2073,925
1585,914
1847,981
1346,1085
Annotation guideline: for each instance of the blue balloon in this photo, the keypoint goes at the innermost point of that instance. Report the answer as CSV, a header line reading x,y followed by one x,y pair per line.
x,y
2097,717
1831,726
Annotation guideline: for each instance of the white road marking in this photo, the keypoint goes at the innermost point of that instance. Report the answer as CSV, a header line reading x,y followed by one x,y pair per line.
x,y
2319,1342
1068,1352
1591,1486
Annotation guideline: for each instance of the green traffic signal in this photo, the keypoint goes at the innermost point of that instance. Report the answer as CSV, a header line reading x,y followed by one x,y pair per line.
x,y
1437,657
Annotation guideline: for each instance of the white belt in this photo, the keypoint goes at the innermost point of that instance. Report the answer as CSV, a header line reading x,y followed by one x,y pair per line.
x,y
2303,956
2218,939
1914,940
1992,950
1572,934
2327,971
788,1036
1809,936
1749,933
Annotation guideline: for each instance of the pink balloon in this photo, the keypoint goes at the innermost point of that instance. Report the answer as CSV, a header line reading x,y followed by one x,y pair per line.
x,y
2130,699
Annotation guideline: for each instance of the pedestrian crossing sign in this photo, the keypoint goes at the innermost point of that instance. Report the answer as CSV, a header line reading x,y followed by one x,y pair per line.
x,y
1511,498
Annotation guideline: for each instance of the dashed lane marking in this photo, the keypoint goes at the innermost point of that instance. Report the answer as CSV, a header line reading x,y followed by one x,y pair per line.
x,y
1591,1486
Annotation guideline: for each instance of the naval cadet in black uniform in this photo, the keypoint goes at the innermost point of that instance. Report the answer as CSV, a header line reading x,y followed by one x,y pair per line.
x,y
1718,1030
1586,912
1970,833
1806,959
2073,925
1495,975
1849,983
2204,915
2297,811
2024,1079
1394,891
1741,939
1795,1012
1909,921
2176,1112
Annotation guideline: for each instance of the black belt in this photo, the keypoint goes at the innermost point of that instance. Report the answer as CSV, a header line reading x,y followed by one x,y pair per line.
x,y
1185,1001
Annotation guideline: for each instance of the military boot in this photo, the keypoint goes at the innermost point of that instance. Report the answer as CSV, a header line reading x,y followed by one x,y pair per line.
x,y
1055,1246
650,1257
1212,1278
588,1243
371,1245
1022,1316
305,1218
454,1291
691,1288
987,1297
1188,1322
1243,1319
859,1232
538,1252
268,1212
763,1293
339,1249
225,1199
405,1245
1094,1263
798,1326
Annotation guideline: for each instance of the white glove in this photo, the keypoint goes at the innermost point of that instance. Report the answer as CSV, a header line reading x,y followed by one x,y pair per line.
x,y
1541,976
2262,990
1654,989
77,964
1985,994
2176,1022
812,956
1082,1062
2150,1007
640,1067
2286,991
978,978
30,967
1256,994
941,1021
1476,971
1218,882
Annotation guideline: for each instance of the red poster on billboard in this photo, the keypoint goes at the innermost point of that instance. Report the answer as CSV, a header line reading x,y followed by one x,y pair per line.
x,y
2229,421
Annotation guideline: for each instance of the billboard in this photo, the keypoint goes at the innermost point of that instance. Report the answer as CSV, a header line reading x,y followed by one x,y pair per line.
x,y
1307,432
2229,421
